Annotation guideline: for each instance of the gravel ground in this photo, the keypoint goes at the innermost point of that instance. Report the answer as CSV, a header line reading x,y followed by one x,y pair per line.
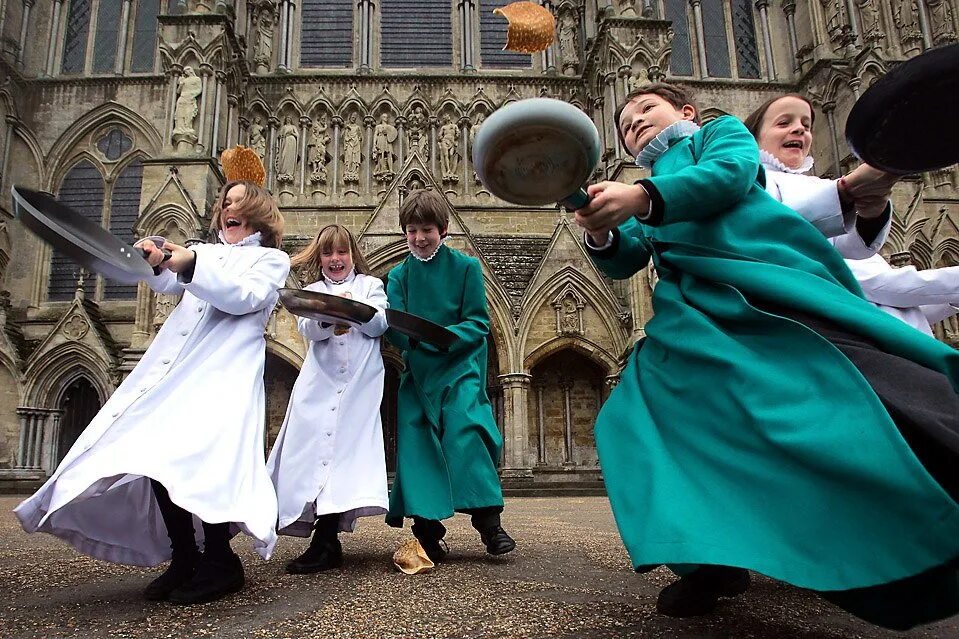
x,y
569,577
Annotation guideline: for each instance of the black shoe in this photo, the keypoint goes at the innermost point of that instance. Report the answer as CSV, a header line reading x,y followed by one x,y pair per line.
x,y
179,572
216,577
430,533
322,555
698,592
497,541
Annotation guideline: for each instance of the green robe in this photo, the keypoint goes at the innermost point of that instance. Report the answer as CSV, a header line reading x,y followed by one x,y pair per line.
x,y
739,437
447,441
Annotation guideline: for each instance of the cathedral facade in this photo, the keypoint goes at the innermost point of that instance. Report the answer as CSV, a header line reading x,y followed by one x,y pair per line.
x,y
122,107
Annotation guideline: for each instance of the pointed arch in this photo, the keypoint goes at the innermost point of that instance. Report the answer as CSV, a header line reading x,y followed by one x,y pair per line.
x,y
48,375
594,352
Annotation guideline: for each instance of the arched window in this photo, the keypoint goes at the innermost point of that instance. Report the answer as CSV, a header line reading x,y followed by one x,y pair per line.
x,y
145,36
124,211
75,39
111,36
82,190
681,59
326,33
493,38
416,33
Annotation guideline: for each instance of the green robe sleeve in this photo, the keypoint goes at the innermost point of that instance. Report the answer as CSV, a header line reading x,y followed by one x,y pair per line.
x,y
628,254
727,166
474,325
396,296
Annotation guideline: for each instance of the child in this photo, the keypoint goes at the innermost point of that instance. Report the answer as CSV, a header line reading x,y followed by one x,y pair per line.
x,y
182,437
754,427
328,464
853,211
783,128
447,441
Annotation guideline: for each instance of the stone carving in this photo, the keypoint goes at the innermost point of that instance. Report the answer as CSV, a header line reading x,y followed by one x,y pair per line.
x,y
417,136
871,25
941,22
569,313
474,128
448,143
384,136
352,143
568,35
190,87
75,327
164,306
319,141
907,21
263,42
286,157
627,8
258,138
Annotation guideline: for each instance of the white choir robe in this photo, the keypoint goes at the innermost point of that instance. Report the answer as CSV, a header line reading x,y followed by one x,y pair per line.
x,y
328,457
919,298
817,200
190,415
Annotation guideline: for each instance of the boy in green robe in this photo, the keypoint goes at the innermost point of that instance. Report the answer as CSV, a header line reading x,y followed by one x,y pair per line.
x,y
772,419
447,441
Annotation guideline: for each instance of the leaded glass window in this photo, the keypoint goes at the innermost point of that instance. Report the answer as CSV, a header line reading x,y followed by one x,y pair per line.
x,y
681,60
107,36
326,30
493,38
714,31
82,190
145,36
114,144
75,40
416,33
124,211
744,30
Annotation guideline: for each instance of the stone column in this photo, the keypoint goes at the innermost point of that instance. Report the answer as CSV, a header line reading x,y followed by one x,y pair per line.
x,y
122,42
24,25
854,20
369,122
700,36
231,102
53,443
10,122
337,125
611,103
364,8
830,110
540,424
465,124
466,9
566,384
549,55
924,25
54,35
763,6
243,131
268,161
432,163
217,111
284,37
21,461
401,147
305,124
515,424
789,8
288,52
205,72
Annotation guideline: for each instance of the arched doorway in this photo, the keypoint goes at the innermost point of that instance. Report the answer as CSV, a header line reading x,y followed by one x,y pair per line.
x,y
278,377
567,392
9,422
79,404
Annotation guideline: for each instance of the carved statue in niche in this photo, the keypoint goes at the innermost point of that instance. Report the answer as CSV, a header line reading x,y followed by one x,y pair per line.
x,y
384,136
419,142
568,35
449,138
164,306
907,21
319,141
352,143
941,22
286,156
189,89
871,27
474,128
263,43
569,313
258,138
415,183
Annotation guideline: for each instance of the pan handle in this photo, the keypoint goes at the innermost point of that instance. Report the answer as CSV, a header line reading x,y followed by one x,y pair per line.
x,y
166,255
577,200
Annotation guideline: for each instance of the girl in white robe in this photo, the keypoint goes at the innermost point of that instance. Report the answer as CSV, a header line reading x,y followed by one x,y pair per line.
x,y
181,439
328,463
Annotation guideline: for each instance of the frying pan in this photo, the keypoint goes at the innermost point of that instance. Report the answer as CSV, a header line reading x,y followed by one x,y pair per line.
x,y
322,306
903,122
82,240
536,152
420,329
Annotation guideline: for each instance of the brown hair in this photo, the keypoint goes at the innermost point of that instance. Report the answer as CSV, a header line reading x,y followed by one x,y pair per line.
x,y
673,94
755,120
423,206
329,237
257,207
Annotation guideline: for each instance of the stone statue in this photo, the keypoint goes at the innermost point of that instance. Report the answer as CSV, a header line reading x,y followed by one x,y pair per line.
x,y
384,135
941,22
258,138
907,20
418,138
319,141
287,154
352,143
870,19
474,128
186,109
567,40
449,138
263,43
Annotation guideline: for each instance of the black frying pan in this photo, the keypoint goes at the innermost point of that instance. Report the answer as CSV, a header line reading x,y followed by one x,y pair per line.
x,y
904,123
82,240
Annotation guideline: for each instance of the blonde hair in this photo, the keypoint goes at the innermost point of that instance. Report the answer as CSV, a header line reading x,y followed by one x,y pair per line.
x,y
423,206
258,209
329,237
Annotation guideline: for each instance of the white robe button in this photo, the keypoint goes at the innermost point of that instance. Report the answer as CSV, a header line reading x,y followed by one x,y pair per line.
x,y
339,390
184,333
326,463
329,433
334,408
166,361
116,414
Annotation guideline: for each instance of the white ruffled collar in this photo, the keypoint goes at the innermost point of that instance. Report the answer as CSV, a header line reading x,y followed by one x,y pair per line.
x,y
660,144
432,255
773,163
254,239
346,280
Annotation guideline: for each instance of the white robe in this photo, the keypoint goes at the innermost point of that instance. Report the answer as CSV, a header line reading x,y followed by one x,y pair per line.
x,y
190,415
817,200
328,457
919,298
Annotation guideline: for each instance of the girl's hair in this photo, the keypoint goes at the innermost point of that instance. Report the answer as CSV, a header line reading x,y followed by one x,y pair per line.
x,y
257,207
755,120
329,238
423,206
673,94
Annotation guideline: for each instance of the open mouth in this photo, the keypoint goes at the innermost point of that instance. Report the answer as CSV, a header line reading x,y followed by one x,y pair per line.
x,y
793,144
336,268
232,222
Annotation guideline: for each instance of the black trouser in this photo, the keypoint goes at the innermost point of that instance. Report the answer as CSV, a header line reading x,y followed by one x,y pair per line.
x,y
482,519
179,525
326,528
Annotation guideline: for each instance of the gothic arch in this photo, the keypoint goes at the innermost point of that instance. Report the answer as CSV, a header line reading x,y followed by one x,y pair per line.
x,y
579,344
162,217
948,248
107,113
47,376
60,172
287,105
284,352
29,140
